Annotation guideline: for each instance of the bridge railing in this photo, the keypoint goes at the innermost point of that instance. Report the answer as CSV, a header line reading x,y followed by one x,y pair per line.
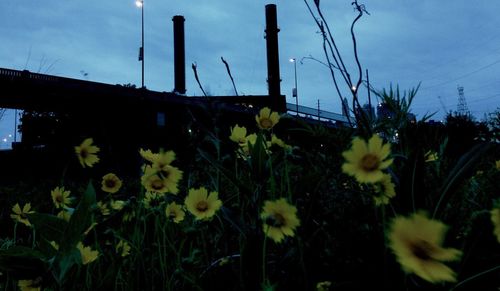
x,y
310,112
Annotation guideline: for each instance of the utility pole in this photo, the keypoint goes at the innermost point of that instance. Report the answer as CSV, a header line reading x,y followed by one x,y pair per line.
x,y
319,112
140,4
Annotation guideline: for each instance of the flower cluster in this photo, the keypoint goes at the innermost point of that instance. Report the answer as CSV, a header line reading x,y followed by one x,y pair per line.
x,y
160,176
278,216
266,120
154,225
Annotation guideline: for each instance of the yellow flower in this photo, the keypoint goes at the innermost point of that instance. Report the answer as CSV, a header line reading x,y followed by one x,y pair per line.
x,y
239,135
162,160
21,215
128,216
103,208
117,204
64,214
60,197
416,241
54,245
280,219
279,142
430,156
123,248
495,218
159,160
88,255
201,204
86,153
323,286
153,183
365,161
171,175
30,285
266,119
110,183
162,181
245,150
385,190
147,155
174,212
497,165
152,199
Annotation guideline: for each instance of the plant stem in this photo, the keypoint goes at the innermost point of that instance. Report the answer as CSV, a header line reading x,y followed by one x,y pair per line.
x,y
264,246
474,277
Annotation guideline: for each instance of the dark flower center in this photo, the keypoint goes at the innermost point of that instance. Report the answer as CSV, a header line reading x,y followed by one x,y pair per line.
x,y
370,162
157,184
84,153
165,173
276,220
110,183
59,198
266,123
202,206
422,250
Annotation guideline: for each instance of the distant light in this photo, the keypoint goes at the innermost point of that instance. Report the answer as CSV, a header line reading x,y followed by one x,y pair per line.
x,y
4,140
10,135
189,130
139,3
292,60
353,88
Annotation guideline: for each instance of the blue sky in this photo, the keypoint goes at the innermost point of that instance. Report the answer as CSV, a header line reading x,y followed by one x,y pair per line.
x,y
442,44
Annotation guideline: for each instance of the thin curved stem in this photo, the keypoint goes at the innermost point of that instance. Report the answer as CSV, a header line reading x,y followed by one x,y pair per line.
x,y
474,277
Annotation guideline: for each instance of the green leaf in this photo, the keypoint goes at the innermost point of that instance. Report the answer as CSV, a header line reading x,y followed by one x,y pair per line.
x,y
464,164
80,220
48,226
64,262
258,156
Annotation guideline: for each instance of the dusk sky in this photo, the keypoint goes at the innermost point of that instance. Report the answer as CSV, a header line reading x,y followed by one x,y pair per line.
x,y
442,44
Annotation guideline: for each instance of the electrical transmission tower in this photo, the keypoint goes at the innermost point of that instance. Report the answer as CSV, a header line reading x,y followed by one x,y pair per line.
x,y
462,104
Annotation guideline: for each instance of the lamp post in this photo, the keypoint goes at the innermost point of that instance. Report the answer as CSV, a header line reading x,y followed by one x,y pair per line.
x,y
294,91
140,4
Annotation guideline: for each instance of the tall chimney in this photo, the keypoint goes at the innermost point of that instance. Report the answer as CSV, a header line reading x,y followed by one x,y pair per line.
x,y
273,65
179,55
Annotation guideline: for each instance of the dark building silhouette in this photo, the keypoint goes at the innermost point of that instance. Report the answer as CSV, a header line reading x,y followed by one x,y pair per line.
x,y
60,112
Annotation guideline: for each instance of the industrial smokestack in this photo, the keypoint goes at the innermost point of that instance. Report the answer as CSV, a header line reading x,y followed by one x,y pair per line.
x,y
273,64
179,55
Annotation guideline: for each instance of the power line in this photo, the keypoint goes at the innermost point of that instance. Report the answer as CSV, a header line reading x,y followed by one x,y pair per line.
x,y
484,98
462,76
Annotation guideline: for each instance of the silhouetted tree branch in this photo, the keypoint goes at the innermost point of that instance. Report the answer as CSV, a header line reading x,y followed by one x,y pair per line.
x,y
230,76
335,60
193,65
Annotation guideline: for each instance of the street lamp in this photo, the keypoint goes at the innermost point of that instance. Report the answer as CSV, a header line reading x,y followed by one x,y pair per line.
x,y
140,4
294,90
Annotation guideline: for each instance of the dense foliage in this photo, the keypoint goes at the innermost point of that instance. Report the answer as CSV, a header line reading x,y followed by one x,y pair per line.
x,y
280,205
